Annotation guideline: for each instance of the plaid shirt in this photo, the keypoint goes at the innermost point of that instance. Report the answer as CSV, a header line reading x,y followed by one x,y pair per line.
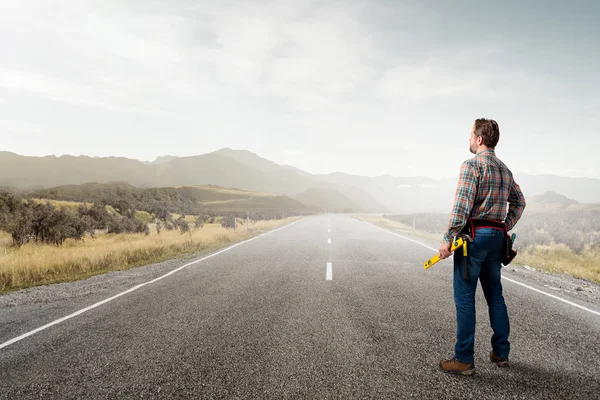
x,y
485,186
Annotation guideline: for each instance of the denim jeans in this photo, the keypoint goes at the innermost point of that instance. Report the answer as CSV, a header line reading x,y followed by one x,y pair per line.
x,y
484,255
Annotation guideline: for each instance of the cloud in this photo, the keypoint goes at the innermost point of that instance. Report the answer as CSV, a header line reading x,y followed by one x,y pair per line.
x,y
403,143
366,80
294,153
449,73
64,91
572,172
303,56
19,126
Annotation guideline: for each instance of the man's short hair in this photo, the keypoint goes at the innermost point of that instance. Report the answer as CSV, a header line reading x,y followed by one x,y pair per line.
x,y
489,130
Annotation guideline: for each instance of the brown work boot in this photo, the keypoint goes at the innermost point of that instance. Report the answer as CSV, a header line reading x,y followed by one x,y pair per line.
x,y
453,366
499,361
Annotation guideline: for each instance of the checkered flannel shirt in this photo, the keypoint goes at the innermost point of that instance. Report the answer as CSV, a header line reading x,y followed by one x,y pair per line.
x,y
485,186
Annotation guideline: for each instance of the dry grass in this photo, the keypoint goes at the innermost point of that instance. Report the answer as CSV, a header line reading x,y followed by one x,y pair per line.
x,y
560,259
5,242
556,258
191,219
38,264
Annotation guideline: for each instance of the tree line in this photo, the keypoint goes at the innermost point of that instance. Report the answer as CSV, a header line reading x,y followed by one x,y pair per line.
x,y
28,220
162,201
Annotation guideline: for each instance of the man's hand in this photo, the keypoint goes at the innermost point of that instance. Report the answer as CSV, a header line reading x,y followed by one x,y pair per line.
x,y
444,251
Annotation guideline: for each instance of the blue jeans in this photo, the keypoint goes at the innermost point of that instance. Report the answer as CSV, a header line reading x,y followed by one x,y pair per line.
x,y
484,255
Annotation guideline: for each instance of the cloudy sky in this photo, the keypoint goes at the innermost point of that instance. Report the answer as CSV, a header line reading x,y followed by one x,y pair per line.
x,y
364,87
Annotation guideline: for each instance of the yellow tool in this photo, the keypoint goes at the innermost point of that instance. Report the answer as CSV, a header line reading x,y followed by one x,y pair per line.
x,y
458,243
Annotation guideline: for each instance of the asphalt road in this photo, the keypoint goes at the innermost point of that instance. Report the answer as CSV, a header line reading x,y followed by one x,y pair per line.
x,y
262,320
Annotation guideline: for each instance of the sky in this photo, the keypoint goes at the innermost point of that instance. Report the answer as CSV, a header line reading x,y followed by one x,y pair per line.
x,y
373,87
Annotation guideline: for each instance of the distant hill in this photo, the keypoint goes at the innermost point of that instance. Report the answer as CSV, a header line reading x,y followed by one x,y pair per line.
x,y
23,172
246,170
552,198
422,194
552,202
329,200
232,168
161,160
293,181
401,194
583,190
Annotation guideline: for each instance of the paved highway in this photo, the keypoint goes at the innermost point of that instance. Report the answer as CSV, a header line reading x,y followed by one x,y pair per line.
x,y
328,307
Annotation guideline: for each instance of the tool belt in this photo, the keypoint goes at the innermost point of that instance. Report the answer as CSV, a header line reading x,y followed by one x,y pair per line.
x,y
468,235
482,223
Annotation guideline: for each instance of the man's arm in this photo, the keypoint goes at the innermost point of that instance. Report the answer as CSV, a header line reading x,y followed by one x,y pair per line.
x,y
463,201
516,205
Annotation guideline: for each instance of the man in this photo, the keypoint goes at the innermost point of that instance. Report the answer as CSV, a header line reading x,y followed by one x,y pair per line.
x,y
485,187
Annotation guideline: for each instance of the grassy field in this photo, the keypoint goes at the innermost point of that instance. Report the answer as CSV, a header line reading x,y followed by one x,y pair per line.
x,y
38,264
560,259
232,191
554,258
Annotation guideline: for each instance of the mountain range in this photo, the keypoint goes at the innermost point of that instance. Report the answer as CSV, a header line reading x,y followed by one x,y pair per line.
x,y
246,170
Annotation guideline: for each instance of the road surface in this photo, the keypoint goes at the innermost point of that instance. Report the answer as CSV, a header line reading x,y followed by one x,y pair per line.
x,y
328,307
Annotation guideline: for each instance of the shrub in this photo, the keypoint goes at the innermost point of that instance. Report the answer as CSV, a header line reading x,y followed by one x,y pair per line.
x,y
228,222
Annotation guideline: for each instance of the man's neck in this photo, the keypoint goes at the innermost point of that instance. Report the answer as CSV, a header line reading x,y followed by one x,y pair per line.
x,y
483,148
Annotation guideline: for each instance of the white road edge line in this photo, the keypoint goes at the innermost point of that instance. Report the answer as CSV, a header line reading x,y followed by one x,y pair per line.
x,y
58,321
553,296
329,275
503,277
